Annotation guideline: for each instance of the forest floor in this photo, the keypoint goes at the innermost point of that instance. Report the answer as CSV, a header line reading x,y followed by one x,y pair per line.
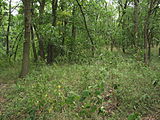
x,y
109,87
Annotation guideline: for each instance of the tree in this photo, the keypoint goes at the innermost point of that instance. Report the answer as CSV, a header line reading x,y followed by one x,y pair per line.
x,y
86,27
151,5
8,28
27,36
136,11
50,47
41,39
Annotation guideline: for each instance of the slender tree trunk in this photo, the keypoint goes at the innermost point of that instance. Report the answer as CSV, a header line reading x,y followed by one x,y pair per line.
x,y
73,34
27,36
15,42
146,41
41,40
8,28
122,22
149,50
15,53
86,27
159,51
50,46
136,2
33,45
64,24
64,32
73,29
0,13
63,37
146,31
32,34
112,43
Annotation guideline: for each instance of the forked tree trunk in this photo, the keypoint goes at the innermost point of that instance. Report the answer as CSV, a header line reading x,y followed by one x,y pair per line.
x,y
27,36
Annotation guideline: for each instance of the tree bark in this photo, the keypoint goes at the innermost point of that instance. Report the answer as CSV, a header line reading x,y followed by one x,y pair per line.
x,y
33,45
32,34
73,29
151,4
136,10
159,51
50,46
86,27
15,53
8,28
41,40
27,36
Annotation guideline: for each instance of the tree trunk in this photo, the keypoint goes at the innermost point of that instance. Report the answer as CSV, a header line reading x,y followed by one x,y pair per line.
x,y
112,44
136,2
146,41
146,31
32,35
73,34
64,35
149,50
15,53
86,27
27,36
50,46
41,40
33,45
8,28
73,30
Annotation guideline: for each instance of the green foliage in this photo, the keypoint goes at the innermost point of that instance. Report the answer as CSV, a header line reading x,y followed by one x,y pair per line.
x,y
87,91
133,116
79,85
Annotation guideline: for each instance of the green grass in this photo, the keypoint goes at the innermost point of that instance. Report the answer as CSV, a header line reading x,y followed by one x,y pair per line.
x,y
109,86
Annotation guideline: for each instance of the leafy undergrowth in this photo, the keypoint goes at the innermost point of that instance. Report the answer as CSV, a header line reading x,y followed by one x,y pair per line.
x,y
109,87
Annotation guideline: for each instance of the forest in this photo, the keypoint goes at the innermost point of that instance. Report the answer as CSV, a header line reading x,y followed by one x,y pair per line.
x,y
79,59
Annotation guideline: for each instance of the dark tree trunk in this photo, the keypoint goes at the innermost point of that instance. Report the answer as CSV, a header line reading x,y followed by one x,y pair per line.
x,y
8,28
73,34
33,45
147,46
15,53
112,43
40,39
146,42
27,36
86,27
159,51
149,50
32,36
63,36
73,30
123,49
136,10
50,46
123,23
0,13
15,42
64,24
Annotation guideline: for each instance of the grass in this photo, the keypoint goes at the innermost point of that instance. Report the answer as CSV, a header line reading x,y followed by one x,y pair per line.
x,y
110,86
